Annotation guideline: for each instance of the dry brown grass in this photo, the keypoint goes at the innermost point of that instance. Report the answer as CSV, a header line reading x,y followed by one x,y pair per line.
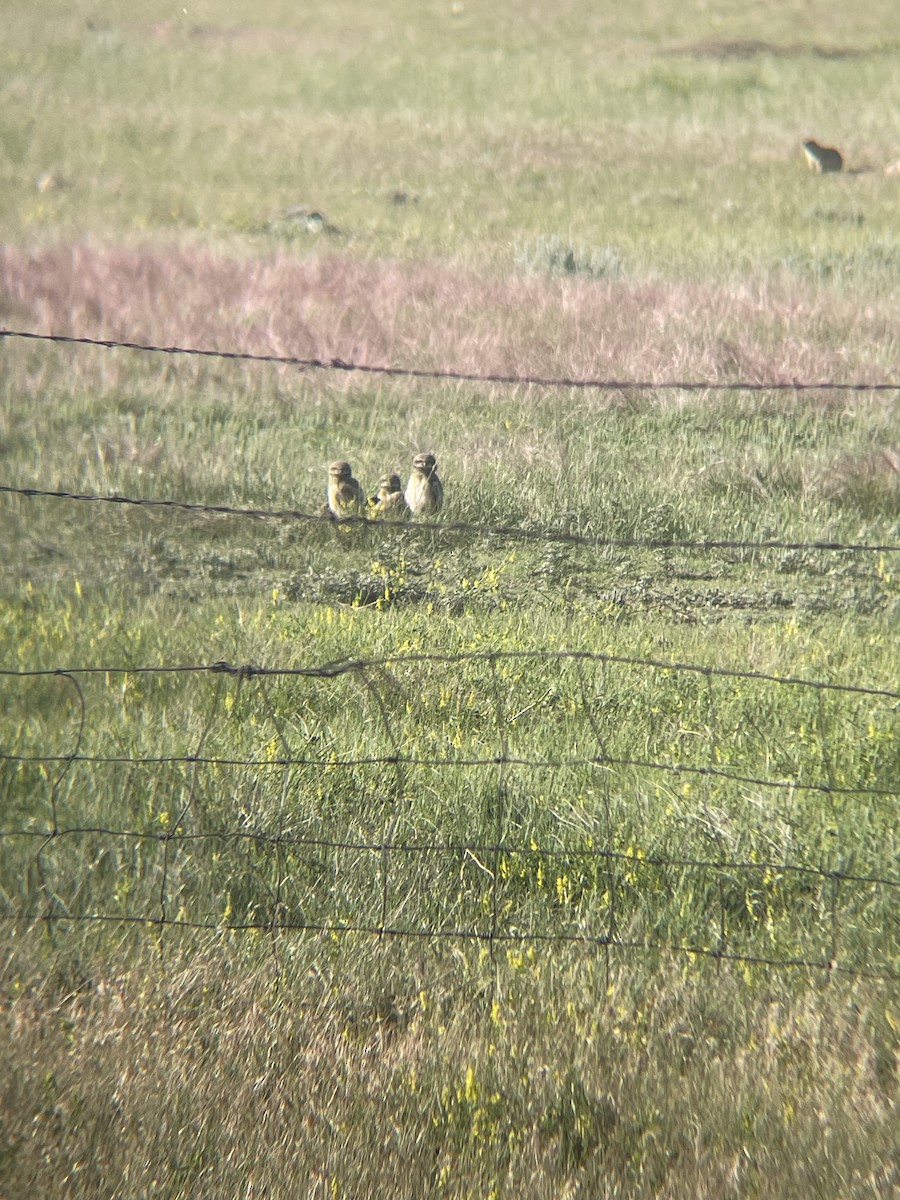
x,y
432,315
191,1078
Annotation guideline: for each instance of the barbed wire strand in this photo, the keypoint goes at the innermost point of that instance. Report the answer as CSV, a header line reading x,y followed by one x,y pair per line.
x,y
458,848
392,760
475,935
339,364
511,532
345,666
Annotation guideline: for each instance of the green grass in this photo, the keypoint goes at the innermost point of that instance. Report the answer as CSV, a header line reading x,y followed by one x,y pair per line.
x,y
653,137
560,192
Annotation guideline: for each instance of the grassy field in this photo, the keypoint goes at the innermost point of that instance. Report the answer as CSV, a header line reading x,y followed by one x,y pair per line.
x,y
516,905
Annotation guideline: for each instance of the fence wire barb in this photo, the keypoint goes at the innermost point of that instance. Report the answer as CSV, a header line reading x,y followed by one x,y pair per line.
x,y
403,529
340,364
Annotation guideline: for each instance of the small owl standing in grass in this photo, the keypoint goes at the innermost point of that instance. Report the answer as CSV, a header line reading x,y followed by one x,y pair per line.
x,y
424,492
345,496
390,501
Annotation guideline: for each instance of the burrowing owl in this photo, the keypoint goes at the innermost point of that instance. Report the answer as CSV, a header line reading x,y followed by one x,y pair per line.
x,y
822,158
390,501
424,492
345,496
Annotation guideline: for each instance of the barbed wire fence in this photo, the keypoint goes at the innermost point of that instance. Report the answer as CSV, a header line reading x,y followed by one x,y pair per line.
x,y
472,528
583,880
532,380
551,533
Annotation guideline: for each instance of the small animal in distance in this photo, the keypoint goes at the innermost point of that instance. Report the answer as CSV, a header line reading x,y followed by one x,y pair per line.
x,y
822,158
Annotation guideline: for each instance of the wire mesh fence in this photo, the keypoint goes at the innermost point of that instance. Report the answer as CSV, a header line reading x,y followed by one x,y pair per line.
x,y
350,813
